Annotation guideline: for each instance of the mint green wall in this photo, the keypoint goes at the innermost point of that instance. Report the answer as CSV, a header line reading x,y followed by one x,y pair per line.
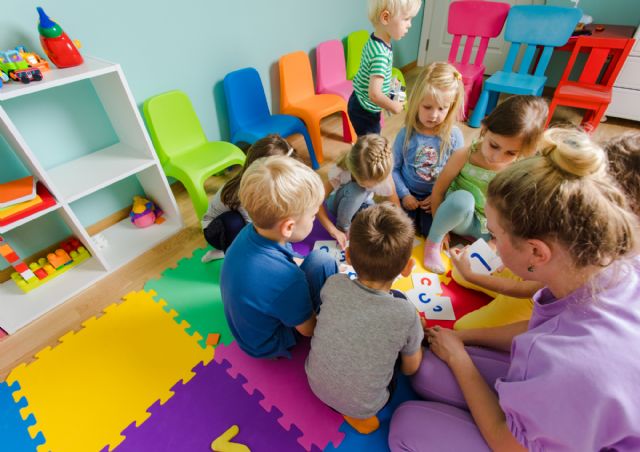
x,y
163,45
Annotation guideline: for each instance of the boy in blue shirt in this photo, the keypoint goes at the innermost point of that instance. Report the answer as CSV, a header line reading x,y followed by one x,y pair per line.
x,y
266,296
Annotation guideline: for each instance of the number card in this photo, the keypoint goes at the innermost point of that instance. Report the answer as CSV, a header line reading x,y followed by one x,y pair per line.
x,y
429,282
331,247
482,258
349,271
434,307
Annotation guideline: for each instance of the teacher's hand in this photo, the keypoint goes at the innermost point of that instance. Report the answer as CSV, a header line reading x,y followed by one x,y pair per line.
x,y
445,344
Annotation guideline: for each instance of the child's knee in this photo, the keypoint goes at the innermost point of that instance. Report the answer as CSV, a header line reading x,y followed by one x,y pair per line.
x,y
319,261
461,200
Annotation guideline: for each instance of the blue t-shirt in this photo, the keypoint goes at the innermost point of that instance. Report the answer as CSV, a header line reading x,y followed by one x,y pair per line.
x,y
416,168
265,294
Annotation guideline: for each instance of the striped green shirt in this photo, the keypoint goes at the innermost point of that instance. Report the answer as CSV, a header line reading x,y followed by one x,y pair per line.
x,y
377,58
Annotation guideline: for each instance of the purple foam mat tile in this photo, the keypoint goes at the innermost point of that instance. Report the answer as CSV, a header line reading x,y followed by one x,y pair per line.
x,y
317,233
202,410
284,385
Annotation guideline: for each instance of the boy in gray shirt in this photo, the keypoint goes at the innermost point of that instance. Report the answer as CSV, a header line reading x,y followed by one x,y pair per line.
x,y
362,326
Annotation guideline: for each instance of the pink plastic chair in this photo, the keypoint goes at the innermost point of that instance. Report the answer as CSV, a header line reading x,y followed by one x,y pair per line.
x,y
471,19
331,73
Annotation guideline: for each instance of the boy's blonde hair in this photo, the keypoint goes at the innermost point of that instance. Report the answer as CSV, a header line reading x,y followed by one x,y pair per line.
x,y
566,194
380,242
444,83
519,116
279,187
369,160
395,7
623,153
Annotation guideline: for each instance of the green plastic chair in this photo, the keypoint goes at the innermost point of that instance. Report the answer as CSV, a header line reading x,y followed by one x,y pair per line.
x,y
183,148
355,43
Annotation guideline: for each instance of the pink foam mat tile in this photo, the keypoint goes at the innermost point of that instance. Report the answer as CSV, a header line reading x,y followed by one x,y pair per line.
x,y
284,384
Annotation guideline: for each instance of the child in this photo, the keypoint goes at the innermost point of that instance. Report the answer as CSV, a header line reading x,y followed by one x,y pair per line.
x,y
371,85
359,173
424,145
560,219
266,296
624,164
363,325
511,131
226,217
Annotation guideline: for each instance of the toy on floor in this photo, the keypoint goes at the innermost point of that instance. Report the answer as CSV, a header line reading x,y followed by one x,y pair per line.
x,y
70,254
61,50
144,213
223,442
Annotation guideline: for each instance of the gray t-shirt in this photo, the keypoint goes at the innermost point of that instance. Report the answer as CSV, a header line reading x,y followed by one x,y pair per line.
x,y
355,345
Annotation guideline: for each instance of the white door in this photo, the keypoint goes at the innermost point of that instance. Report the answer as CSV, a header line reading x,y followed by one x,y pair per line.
x,y
435,42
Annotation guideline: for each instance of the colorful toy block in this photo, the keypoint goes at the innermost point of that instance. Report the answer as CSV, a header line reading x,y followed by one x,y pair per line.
x,y
70,254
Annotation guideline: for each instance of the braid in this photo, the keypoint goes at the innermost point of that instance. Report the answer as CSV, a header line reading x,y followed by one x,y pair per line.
x,y
370,159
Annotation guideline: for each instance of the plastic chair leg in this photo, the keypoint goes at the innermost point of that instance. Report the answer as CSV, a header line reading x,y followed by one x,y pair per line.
x,y
552,109
348,133
480,110
493,101
594,119
316,139
198,197
310,148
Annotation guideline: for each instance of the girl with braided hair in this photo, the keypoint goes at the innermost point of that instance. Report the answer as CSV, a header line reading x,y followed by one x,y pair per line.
x,y
351,182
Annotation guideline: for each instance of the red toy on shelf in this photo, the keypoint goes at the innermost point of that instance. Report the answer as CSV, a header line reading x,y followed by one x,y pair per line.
x,y
60,49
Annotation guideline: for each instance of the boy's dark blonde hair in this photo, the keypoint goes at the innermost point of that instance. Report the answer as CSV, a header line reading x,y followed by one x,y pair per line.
x,y
566,194
380,242
444,83
370,159
623,153
519,116
279,187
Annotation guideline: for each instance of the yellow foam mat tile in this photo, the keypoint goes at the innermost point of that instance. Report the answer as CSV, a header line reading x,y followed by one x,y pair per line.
x,y
405,284
91,386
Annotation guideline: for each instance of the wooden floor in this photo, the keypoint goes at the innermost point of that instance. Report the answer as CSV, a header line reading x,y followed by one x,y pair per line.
x,y
21,346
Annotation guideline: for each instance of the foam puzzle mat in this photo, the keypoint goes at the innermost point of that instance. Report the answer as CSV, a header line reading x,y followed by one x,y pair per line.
x,y
141,377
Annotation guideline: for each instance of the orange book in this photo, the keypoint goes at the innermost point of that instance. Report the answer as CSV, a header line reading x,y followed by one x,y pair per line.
x,y
17,191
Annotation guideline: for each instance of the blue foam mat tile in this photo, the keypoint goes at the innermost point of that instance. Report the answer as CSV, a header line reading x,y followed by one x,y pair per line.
x,y
14,431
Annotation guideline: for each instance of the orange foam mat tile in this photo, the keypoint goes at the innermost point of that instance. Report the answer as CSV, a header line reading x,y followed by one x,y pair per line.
x,y
91,386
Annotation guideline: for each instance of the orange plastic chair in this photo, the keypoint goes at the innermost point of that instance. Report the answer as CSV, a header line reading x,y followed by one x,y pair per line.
x,y
298,98
591,91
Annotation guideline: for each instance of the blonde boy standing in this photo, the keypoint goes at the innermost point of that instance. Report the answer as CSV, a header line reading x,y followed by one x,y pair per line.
x,y
371,85
266,296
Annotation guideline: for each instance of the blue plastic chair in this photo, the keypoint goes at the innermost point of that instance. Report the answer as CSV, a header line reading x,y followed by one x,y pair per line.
x,y
249,115
530,26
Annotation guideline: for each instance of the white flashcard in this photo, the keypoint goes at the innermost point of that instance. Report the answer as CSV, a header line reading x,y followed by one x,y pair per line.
x,y
331,247
434,307
428,282
482,258
349,271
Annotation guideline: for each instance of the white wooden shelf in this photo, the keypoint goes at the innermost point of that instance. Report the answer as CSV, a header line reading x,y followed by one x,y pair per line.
x,y
92,67
92,172
131,156
126,241
18,309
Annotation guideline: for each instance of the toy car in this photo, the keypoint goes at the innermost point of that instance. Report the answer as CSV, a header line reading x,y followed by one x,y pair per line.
x,y
26,75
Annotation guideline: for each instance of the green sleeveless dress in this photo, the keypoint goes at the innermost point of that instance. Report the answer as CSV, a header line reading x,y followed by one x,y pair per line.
x,y
475,180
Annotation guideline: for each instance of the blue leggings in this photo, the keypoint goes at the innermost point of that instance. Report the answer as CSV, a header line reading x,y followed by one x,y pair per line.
x,y
317,268
346,202
456,214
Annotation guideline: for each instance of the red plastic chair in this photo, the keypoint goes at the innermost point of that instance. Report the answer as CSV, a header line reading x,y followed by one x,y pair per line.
x,y
473,19
298,98
331,72
592,90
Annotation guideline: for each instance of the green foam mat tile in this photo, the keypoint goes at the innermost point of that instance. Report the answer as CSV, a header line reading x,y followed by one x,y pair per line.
x,y
192,289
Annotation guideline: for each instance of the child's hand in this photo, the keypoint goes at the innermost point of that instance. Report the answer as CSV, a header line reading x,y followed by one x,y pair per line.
x,y
340,237
396,107
460,260
425,204
409,202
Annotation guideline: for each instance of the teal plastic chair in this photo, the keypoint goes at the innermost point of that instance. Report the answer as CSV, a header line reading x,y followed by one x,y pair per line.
x,y
183,148
355,43
530,26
